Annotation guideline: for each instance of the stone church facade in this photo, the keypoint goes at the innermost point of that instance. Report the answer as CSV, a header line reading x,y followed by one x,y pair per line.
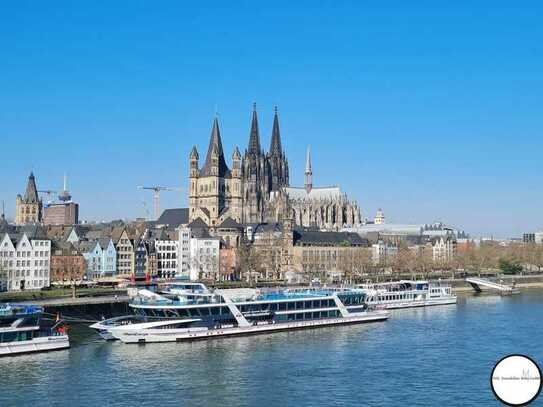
x,y
256,187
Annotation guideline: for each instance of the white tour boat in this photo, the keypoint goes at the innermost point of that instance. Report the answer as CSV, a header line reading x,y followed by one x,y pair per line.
x,y
407,294
221,313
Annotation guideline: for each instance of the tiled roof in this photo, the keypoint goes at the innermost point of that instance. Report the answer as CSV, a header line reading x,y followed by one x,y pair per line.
x,y
230,223
174,217
304,237
316,193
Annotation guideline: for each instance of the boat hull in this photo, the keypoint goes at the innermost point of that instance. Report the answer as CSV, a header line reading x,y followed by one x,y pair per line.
x,y
152,336
41,344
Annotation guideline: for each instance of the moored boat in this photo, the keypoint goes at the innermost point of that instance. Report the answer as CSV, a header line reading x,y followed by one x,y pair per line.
x,y
21,331
408,294
222,313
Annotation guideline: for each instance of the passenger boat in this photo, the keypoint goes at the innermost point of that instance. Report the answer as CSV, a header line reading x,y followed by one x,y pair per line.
x,y
226,313
103,327
407,294
21,332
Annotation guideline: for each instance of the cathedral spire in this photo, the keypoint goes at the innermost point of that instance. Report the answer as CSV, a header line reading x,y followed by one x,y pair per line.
x,y
275,146
308,172
31,194
254,138
215,148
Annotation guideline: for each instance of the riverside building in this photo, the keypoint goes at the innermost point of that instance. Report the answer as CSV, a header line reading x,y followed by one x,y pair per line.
x,y
25,260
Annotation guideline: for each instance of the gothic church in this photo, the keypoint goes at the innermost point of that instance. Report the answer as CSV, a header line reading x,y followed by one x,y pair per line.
x,y
256,188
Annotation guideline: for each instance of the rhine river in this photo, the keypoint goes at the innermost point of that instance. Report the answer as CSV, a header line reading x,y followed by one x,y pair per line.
x,y
437,356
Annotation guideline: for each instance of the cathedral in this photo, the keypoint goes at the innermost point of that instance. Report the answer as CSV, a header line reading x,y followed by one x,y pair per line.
x,y
256,187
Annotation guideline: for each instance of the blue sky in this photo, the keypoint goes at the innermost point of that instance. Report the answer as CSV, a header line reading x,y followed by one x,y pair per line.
x,y
430,111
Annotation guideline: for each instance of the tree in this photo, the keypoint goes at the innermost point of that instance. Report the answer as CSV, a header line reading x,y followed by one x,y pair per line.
x,y
69,268
509,267
250,262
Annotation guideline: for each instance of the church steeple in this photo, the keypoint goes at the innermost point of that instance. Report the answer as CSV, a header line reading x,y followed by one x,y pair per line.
x,y
215,152
308,172
254,138
31,193
275,146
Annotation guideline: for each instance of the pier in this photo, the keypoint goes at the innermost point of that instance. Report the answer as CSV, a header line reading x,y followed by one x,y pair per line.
x,y
504,289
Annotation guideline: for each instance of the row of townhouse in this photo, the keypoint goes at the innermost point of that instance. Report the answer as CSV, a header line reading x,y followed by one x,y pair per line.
x,y
25,260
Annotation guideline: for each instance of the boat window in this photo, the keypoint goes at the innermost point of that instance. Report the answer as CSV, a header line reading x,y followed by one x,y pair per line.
x,y
282,306
215,311
183,313
9,336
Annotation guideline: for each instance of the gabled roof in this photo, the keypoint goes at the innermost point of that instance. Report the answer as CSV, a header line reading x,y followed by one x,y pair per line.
x,y
230,223
174,217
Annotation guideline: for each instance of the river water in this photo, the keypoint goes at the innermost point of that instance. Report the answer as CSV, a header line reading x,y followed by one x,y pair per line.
x,y
437,356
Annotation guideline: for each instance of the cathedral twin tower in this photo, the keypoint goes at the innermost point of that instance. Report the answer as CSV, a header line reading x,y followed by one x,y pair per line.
x,y
243,192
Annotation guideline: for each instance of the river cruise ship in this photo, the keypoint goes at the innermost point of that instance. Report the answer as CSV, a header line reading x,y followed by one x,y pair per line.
x,y
21,332
241,312
407,294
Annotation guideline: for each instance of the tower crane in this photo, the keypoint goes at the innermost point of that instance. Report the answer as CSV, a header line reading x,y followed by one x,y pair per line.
x,y
156,195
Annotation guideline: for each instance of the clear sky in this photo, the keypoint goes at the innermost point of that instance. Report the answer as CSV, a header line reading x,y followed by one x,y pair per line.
x,y
431,111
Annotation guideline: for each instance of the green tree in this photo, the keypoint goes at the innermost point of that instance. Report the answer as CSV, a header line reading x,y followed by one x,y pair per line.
x,y
509,267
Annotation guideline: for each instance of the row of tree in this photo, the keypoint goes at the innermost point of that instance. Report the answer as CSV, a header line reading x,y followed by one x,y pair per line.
x,y
356,264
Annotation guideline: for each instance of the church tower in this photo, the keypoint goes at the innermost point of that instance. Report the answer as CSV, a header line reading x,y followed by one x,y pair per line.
x,y
211,187
277,159
28,208
255,176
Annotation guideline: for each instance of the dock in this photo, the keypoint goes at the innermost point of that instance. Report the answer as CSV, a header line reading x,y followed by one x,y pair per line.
x,y
504,289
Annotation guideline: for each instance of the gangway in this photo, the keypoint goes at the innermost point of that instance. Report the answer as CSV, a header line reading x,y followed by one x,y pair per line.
x,y
477,283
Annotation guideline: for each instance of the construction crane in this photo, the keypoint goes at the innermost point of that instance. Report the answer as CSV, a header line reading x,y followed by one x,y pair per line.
x,y
156,196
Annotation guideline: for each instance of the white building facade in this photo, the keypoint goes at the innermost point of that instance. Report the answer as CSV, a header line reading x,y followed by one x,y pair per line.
x,y
167,255
183,252
444,249
204,258
24,263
